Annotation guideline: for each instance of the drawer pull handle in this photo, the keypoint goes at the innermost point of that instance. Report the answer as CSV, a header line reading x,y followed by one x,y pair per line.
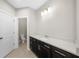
x,y
46,46
60,53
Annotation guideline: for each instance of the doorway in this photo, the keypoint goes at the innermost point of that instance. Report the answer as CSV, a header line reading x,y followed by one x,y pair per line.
x,y
22,30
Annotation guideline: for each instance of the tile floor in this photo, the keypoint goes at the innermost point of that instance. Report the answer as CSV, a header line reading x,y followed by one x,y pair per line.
x,y
21,52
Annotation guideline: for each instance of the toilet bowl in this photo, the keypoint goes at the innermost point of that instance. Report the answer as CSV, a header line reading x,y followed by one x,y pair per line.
x,y
22,38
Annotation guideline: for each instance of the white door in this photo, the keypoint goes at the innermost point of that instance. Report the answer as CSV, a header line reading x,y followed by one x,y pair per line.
x,y
6,34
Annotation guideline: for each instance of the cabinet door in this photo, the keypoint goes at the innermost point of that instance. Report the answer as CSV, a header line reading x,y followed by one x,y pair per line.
x,y
31,43
34,45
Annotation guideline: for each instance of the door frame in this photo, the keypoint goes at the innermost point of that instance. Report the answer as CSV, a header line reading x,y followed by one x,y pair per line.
x,y
19,27
17,32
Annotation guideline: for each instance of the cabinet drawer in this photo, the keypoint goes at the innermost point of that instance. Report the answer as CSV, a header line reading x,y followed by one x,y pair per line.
x,y
59,53
45,45
45,51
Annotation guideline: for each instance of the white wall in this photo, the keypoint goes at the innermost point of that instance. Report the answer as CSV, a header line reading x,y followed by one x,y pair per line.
x,y
31,21
59,22
7,8
27,12
77,22
7,29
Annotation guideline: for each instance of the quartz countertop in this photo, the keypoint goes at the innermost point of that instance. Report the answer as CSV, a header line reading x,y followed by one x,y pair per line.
x,y
67,46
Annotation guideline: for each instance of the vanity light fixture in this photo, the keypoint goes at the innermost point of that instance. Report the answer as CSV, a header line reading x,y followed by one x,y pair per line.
x,y
44,12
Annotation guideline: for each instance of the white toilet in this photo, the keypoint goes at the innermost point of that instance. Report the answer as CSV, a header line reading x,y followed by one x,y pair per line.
x,y
22,38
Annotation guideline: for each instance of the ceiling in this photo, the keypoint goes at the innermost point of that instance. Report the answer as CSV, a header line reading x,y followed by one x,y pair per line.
x,y
34,4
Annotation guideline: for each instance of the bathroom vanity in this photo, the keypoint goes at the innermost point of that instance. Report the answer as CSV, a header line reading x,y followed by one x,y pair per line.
x,y
46,49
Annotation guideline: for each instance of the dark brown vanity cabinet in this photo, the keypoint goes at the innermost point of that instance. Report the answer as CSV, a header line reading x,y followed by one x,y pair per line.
x,y
44,50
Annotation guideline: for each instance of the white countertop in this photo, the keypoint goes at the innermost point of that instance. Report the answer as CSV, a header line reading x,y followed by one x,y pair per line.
x,y
67,46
